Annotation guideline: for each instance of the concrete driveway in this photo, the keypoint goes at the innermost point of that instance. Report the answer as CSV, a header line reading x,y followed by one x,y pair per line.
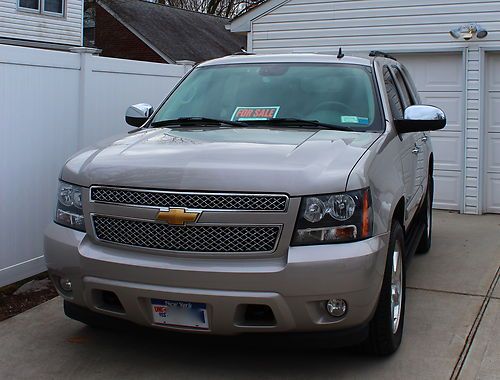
x,y
452,330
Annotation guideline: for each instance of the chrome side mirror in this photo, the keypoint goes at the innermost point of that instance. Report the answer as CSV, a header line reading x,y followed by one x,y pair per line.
x,y
421,118
138,114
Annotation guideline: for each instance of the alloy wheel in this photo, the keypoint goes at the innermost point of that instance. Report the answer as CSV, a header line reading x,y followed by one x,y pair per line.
x,y
396,286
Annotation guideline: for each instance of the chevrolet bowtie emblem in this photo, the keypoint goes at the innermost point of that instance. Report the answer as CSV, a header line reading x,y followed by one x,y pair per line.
x,y
178,216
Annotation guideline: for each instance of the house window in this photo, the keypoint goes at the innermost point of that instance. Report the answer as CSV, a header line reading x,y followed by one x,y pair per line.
x,y
30,4
50,7
53,6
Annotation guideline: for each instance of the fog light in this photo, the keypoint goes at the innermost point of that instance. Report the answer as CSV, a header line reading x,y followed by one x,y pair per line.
x,y
65,284
336,307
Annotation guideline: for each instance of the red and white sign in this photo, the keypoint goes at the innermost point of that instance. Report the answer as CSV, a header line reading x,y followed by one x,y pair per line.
x,y
255,113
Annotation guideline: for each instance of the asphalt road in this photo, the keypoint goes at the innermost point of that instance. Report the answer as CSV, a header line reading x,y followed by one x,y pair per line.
x,y
452,330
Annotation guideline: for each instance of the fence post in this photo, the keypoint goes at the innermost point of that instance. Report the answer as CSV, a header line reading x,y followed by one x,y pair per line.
x,y
83,91
187,65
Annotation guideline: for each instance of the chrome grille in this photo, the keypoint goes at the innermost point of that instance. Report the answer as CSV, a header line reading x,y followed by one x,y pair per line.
x,y
195,239
203,201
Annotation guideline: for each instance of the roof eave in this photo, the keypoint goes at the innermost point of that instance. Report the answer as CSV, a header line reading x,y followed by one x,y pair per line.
x,y
243,23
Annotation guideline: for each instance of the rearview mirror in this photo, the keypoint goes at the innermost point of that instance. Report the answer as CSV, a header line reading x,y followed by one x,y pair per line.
x,y
138,114
421,118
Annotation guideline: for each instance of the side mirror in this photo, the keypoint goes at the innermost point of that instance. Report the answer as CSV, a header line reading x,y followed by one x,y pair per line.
x,y
138,114
421,118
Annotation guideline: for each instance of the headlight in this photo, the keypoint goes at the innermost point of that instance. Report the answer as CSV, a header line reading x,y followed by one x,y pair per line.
x,y
69,211
334,218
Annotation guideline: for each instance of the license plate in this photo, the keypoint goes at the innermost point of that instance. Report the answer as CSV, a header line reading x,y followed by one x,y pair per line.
x,y
178,313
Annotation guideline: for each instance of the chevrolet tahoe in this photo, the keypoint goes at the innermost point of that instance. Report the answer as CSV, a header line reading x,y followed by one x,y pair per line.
x,y
267,193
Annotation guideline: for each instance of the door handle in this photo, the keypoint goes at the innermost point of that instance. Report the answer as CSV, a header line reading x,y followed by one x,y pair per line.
x,y
416,150
425,138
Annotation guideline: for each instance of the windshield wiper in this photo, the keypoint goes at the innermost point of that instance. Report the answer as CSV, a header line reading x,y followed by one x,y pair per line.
x,y
300,122
291,122
181,121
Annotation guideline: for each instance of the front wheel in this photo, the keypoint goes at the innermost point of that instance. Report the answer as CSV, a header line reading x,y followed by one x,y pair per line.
x,y
386,327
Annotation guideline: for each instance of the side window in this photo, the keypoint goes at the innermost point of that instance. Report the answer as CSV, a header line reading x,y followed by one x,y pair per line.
x,y
403,89
392,94
410,84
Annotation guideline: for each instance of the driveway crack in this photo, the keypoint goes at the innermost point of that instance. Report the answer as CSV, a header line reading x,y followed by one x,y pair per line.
x,y
446,292
475,326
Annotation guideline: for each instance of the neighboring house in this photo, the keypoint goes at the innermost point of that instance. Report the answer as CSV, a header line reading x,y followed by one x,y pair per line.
x,y
141,30
53,24
89,23
459,73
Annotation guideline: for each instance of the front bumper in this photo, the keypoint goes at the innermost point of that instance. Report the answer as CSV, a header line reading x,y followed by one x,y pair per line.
x,y
294,286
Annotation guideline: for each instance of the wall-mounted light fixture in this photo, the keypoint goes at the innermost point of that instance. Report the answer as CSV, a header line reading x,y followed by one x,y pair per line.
x,y
468,31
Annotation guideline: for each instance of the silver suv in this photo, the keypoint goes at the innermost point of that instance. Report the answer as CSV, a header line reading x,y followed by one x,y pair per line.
x,y
268,193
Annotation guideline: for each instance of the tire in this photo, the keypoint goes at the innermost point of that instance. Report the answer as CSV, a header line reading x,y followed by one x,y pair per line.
x,y
426,216
386,330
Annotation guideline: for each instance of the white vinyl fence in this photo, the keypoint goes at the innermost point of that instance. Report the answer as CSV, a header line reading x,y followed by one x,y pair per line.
x,y
51,105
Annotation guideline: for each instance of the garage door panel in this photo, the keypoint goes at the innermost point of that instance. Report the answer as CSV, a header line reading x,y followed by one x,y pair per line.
x,y
493,192
447,188
493,72
493,153
435,72
451,104
493,111
492,142
446,154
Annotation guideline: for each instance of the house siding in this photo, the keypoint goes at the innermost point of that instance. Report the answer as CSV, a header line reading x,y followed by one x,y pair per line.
x,y
393,26
301,25
117,41
23,25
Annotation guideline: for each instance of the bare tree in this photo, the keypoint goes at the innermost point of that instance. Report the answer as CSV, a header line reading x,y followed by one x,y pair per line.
x,y
225,8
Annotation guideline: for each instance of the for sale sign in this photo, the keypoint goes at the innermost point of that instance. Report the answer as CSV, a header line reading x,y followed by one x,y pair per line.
x,y
255,113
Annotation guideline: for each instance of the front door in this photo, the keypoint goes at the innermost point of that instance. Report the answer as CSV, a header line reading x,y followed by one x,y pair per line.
x,y
409,145
420,148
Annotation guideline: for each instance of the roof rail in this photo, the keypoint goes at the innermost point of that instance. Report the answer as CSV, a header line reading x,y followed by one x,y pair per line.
x,y
243,52
377,53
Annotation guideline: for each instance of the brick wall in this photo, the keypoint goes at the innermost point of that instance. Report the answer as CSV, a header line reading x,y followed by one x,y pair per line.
x,y
117,41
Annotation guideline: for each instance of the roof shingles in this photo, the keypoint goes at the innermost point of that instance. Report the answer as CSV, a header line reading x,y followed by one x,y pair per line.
x,y
179,34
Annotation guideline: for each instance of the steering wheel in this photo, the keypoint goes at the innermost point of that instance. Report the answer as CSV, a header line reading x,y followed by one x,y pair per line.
x,y
333,106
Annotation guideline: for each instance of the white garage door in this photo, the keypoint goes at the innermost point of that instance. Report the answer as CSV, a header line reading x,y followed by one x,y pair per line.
x,y
439,78
492,119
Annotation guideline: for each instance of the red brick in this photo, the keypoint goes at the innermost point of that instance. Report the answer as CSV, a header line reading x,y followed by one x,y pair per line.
x,y
116,41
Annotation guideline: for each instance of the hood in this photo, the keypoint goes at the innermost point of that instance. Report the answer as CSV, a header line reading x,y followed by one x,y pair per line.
x,y
292,161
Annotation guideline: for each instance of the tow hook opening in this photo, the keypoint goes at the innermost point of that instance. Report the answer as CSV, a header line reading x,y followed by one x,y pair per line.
x,y
255,315
108,301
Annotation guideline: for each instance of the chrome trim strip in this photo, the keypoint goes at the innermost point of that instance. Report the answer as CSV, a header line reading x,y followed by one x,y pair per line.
x,y
287,201
185,253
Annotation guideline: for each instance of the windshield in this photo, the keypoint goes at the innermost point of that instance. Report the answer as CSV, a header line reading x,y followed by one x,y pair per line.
x,y
336,94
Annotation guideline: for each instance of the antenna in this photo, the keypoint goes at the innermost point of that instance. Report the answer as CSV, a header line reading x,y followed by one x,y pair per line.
x,y
340,55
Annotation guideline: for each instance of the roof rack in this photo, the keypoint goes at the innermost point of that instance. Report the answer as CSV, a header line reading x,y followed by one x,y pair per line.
x,y
377,53
243,52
